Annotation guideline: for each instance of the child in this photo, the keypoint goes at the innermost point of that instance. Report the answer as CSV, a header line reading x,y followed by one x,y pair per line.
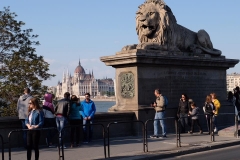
x,y
194,115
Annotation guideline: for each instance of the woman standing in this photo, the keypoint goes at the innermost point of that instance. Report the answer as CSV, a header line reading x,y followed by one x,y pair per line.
x,y
75,119
183,110
35,120
209,110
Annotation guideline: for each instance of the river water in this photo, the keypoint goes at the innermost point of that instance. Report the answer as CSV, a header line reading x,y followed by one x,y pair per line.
x,y
102,106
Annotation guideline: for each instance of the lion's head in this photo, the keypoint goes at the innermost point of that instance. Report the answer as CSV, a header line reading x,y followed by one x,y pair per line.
x,y
155,22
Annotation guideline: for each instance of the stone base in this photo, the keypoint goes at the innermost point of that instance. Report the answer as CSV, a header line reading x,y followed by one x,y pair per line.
x,y
139,72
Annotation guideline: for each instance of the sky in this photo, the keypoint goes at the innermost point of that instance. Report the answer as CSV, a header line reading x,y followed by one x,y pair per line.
x,y
89,29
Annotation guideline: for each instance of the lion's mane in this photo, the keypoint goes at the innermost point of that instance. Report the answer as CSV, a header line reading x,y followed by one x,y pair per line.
x,y
166,25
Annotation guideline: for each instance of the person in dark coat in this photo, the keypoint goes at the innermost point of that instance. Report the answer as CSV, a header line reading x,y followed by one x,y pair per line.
x,y
183,111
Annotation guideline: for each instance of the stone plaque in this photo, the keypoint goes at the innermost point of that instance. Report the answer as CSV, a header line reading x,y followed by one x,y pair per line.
x,y
127,85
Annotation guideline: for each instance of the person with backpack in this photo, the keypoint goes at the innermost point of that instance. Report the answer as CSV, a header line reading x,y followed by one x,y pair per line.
x,y
75,119
209,110
194,116
183,111
22,108
48,111
217,106
159,106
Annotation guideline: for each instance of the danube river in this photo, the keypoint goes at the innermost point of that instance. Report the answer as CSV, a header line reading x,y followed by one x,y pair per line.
x,y
102,106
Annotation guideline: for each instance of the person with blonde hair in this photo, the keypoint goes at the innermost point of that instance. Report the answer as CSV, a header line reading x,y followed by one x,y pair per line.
x,y
209,110
217,106
34,120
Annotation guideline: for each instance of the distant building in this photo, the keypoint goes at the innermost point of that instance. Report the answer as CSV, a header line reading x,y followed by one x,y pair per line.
x,y
233,80
81,83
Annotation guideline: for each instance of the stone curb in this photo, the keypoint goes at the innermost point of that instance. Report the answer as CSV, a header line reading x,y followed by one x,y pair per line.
x,y
154,155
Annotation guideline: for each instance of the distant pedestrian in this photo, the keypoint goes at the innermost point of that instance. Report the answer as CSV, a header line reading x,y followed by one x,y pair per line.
x,y
33,121
217,106
88,112
209,110
62,111
237,97
232,100
183,111
22,109
75,119
194,116
159,106
49,115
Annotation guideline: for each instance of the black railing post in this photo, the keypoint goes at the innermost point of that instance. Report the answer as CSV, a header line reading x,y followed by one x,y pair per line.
x,y
176,129
146,134
179,134
143,130
9,145
211,129
236,125
104,142
2,146
108,131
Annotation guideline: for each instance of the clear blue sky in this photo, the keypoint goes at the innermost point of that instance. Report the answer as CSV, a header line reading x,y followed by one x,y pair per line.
x,y
89,29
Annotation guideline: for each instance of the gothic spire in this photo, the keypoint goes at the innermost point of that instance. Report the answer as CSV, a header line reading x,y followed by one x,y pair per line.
x,y
79,63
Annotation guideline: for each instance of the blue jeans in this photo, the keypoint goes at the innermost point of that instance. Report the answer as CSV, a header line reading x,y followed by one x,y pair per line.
x,y
215,122
159,115
184,122
61,123
24,132
87,130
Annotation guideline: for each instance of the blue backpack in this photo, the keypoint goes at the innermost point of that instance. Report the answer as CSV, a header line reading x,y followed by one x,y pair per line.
x,y
165,101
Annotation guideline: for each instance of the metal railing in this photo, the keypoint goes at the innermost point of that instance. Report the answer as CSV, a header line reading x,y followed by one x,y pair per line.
x,y
88,125
21,130
2,144
211,131
121,122
146,130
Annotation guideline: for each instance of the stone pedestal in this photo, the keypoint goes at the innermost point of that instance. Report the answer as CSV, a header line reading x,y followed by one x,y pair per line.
x,y
139,72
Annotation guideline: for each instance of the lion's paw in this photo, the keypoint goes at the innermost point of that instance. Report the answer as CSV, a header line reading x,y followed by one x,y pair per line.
x,y
129,47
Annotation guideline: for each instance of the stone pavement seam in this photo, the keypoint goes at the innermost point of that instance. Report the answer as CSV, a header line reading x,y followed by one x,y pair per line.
x,y
169,154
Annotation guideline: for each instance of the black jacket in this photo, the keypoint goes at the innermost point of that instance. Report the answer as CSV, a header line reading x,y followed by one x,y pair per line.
x,y
63,107
184,107
209,107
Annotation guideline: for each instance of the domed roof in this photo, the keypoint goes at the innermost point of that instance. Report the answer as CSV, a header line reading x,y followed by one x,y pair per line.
x,y
79,69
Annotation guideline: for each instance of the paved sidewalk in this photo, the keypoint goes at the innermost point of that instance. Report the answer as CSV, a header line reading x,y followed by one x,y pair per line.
x,y
131,148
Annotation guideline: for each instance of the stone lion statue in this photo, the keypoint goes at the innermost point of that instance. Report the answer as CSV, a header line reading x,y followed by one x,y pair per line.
x,y
157,29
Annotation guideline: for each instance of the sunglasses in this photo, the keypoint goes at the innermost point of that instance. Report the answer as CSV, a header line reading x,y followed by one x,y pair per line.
x,y
29,103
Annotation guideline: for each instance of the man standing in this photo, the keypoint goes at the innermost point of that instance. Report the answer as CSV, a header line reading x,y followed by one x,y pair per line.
x,y
88,111
160,110
22,109
62,111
